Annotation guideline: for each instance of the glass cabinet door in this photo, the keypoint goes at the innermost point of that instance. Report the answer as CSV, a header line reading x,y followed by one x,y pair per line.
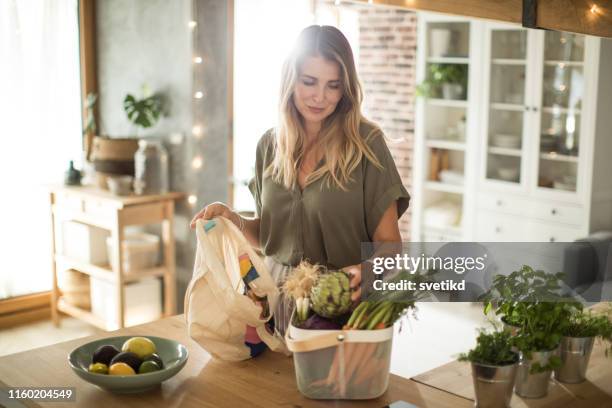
x,y
562,93
506,104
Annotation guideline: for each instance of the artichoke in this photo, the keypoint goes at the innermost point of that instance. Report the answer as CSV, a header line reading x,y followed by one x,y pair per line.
x,y
330,297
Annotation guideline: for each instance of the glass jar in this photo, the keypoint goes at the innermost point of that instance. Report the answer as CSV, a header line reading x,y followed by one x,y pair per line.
x,y
151,168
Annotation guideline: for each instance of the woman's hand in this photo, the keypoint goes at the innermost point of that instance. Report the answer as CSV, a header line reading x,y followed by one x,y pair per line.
x,y
354,272
214,210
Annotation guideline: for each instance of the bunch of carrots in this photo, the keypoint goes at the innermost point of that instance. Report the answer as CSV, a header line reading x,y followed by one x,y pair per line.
x,y
358,366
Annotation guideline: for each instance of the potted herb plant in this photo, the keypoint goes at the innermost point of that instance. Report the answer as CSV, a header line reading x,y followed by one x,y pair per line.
x,y
448,81
494,366
531,303
577,343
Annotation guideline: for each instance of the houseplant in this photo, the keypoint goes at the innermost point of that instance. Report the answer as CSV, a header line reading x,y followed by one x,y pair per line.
x,y
577,343
145,112
444,80
531,303
494,366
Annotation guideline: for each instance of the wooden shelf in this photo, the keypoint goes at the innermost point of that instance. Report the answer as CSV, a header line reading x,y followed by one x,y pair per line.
x,y
448,103
444,187
505,151
448,60
79,313
445,144
105,272
552,156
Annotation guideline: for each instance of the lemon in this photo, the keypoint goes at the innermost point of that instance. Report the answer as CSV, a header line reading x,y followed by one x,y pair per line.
x,y
98,368
141,346
121,369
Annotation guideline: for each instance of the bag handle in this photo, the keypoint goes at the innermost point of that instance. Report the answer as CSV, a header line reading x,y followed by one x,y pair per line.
x,y
326,340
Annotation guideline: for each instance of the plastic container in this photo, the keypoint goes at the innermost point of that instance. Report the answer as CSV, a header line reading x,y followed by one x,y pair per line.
x,y
140,251
341,364
85,243
143,301
151,167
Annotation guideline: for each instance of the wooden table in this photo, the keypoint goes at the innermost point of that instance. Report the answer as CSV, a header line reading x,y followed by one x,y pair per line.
x,y
100,208
266,381
456,378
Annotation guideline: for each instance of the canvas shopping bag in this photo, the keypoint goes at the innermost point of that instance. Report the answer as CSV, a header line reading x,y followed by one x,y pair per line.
x,y
218,311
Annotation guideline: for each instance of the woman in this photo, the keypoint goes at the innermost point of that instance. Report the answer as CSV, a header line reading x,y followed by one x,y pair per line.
x,y
324,180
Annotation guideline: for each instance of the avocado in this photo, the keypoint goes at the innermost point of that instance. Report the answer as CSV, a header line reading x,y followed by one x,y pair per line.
x,y
128,358
155,357
104,354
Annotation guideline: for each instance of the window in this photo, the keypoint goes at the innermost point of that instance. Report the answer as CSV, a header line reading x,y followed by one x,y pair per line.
x,y
40,128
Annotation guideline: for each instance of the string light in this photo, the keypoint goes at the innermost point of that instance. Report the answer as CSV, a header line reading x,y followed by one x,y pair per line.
x,y
337,2
196,130
594,9
196,163
370,1
192,24
192,199
198,95
197,60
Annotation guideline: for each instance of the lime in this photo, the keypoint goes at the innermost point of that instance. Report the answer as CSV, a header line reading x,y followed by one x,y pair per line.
x,y
148,367
121,369
141,346
98,368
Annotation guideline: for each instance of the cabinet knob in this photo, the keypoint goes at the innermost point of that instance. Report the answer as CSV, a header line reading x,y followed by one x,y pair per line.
x,y
499,203
534,108
498,229
553,211
552,239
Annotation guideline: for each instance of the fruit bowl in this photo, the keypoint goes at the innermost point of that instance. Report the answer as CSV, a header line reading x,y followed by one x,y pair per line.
x,y
173,354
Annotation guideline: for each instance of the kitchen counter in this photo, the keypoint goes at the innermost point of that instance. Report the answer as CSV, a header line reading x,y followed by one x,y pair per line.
x,y
266,381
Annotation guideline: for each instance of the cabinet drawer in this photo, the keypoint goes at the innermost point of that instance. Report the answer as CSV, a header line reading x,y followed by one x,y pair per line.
x,y
497,227
73,206
524,207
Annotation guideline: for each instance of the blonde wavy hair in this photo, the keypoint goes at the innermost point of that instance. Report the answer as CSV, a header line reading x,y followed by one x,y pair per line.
x,y
339,138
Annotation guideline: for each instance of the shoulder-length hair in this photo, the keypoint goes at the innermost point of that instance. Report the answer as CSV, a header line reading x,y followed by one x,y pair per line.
x,y
339,138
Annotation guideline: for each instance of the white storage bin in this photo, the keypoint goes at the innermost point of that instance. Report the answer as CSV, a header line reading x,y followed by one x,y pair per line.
x,y
143,301
341,364
140,251
84,242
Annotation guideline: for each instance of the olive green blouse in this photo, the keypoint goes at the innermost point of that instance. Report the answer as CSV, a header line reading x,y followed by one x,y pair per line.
x,y
322,223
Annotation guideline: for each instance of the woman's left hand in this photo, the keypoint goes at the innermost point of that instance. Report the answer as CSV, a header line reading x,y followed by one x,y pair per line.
x,y
354,272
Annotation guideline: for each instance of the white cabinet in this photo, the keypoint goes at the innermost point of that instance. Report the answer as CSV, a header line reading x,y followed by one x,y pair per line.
x,y
536,153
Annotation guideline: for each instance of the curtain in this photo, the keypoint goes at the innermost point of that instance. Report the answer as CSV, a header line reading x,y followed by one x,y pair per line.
x,y
40,132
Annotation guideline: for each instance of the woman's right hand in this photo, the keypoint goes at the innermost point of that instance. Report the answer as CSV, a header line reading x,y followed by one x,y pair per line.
x,y
214,210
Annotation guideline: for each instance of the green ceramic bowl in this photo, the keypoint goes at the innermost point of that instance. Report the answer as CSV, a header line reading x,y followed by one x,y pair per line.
x,y
173,354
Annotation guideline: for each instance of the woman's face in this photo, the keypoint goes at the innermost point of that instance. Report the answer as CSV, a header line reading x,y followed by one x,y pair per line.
x,y
318,89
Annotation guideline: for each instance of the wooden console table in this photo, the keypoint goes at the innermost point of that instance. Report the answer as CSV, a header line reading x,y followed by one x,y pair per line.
x,y
100,208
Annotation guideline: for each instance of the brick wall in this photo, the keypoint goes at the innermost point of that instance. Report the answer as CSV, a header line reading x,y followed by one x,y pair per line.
x,y
387,52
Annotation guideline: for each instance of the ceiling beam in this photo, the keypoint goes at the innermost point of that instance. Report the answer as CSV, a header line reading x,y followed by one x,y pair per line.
x,y
579,16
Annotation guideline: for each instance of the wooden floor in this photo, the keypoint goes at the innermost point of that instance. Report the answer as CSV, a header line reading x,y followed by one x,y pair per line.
x,y
42,333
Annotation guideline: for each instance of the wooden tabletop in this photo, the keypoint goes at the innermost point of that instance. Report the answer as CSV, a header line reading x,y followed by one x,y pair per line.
x,y
266,381
122,201
596,391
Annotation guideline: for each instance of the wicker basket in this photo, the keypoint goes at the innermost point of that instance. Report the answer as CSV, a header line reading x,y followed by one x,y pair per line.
x,y
74,286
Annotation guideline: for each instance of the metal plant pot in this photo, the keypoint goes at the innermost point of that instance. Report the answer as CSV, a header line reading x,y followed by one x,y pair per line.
x,y
493,384
533,385
575,353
